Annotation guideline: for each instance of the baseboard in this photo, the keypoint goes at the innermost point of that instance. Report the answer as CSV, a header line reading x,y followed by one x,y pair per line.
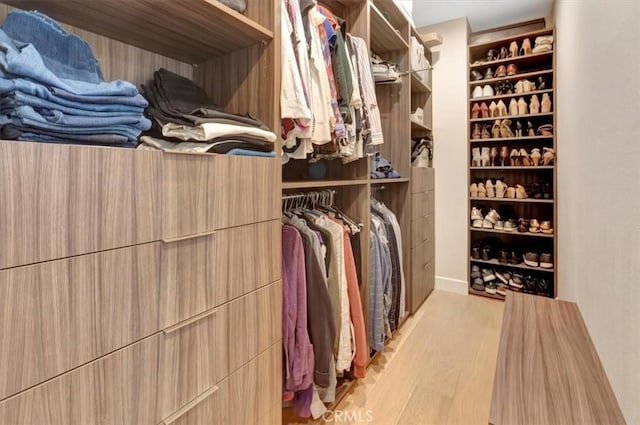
x,y
452,285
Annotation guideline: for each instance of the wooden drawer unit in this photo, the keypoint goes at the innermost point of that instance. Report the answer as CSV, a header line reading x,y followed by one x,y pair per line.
x,y
117,389
419,258
250,396
422,179
58,315
205,192
198,353
162,376
419,205
203,272
61,201
419,231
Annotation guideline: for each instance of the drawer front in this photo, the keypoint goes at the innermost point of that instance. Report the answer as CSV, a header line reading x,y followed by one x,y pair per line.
x,y
430,250
431,228
117,389
202,193
200,352
418,258
419,231
430,278
430,176
61,314
62,201
430,202
419,205
201,273
251,396
418,179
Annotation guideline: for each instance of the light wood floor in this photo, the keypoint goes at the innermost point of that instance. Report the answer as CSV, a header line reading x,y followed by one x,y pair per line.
x,y
439,368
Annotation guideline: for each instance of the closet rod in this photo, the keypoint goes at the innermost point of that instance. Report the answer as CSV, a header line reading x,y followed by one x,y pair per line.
x,y
306,194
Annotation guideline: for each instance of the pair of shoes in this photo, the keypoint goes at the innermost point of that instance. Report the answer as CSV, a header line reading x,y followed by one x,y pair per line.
x,y
486,91
488,189
533,259
498,109
525,48
478,190
504,71
501,129
524,86
477,283
543,44
489,220
504,87
483,157
534,226
480,110
545,130
540,190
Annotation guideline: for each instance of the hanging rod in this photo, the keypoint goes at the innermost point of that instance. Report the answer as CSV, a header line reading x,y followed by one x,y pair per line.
x,y
306,194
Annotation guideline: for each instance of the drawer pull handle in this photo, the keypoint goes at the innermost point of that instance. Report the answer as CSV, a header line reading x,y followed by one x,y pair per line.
x,y
194,236
193,403
189,321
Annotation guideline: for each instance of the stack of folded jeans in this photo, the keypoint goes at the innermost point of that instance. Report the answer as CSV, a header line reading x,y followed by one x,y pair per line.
x,y
52,88
186,119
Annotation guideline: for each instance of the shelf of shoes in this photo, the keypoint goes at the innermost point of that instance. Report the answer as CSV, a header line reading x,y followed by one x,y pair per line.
x,y
522,266
528,60
519,76
510,95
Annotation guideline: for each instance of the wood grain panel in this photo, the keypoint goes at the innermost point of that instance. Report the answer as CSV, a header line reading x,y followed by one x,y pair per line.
x,y
419,231
178,29
212,410
62,201
58,315
418,179
256,389
120,61
548,371
201,273
197,356
419,206
117,389
207,192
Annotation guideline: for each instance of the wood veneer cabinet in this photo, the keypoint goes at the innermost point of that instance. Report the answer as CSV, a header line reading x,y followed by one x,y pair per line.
x,y
142,287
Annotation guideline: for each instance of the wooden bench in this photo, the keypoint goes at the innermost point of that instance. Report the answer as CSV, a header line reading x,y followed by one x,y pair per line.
x,y
548,371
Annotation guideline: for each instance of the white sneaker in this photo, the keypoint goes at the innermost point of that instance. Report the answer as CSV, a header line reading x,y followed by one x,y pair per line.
x,y
486,224
492,216
477,224
476,214
499,225
487,91
477,93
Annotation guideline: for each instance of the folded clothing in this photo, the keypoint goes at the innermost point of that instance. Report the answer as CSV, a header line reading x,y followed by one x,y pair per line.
x,y
382,168
53,89
384,71
231,147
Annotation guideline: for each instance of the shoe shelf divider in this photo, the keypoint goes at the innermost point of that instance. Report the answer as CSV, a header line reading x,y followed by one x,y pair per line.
x,y
529,67
494,262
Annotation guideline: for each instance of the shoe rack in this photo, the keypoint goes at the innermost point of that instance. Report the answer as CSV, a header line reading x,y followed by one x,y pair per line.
x,y
512,139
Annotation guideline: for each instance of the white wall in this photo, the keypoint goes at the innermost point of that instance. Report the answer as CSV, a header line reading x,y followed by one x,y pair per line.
x,y
450,153
598,91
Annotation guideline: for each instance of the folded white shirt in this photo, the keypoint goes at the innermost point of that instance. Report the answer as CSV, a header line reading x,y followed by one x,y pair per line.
x,y
208,131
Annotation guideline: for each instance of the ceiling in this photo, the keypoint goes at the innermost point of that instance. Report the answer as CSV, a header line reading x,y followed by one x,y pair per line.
x,y
482,14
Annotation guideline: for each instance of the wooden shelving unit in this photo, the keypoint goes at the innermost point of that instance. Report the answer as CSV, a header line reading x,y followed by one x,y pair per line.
x,y
389,181
322,183
190,31
385,38
419,127
417,85
530,67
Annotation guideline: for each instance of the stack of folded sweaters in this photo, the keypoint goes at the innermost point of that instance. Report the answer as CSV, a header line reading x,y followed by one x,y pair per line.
x,y
187,120
52,88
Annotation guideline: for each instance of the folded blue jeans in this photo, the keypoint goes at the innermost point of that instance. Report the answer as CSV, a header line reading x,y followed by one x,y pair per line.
x,y
16,98
12,132
62,97
23,60
66,55
136,121
129,132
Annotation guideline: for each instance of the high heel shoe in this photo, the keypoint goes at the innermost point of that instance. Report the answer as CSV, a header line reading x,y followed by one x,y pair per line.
x,y
542,83
495,130
476,131
548,156
519,87
486,134
545,130
514,157
476,76
501,71
535,156
513,49
473,190
500,188
504,53
526,47
502,109
518,129
484,110
493,109
522,106
491,193
534,105
545,105
534,226
524,158
475,157
505,129
492,54
504,156
484,157
513,107
482,191
511,193
507,87
521,193
530,132
488,74
493,155
475,111
512,69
